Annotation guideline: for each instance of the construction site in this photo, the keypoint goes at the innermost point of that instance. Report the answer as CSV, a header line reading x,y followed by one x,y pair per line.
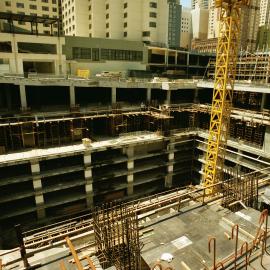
x,y
135,172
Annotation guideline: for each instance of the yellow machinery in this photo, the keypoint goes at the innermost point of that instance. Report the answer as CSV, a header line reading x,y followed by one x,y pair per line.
x,y
225,70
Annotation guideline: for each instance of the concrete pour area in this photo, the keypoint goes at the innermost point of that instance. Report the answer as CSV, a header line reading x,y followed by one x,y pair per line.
x,y
185,236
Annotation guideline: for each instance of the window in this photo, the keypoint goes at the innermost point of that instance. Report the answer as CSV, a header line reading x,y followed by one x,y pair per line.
x,y
90,17
95,54
107,6
125,5
125,24
54,9
152,24
33,7
153,5
107,25
20,5
45,1
107,34
125,34
47,32
54,1
89,8
112,54
146,34
90,26
8,4
45,8
125,15
107,16
153,14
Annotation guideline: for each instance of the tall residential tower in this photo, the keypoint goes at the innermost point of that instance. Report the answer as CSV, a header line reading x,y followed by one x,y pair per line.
x,y
42,8
155,21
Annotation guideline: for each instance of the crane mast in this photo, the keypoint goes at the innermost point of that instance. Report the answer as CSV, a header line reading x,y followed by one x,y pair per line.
x,y
225,70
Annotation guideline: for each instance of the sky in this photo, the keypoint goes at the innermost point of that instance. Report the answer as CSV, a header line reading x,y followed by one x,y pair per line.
x,y
186,3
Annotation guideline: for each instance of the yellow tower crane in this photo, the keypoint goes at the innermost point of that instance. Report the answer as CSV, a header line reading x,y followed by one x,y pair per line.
x,y
225,70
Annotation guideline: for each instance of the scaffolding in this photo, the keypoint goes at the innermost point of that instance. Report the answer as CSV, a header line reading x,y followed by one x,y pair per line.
x,y
250,67
117,236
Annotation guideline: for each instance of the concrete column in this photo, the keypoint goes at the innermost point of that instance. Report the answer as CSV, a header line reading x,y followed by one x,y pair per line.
x,y
23,97
88,179
37,184
196,93
239,158
168,178
263,101
266,143
72,96
168,98
130,168
148,94
166,57
8,98
113,95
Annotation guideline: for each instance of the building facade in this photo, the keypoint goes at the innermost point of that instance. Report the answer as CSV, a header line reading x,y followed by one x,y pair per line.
x,y
202,3
41,8
199,22
264,12
75,17
213,20
44,54
250,26
157,21
186,28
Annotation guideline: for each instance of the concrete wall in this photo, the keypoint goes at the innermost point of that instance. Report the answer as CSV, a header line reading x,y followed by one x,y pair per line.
x,y
115,19
98,66
98,24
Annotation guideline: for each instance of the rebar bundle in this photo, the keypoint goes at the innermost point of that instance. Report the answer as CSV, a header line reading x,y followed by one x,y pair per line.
x,y
117,236
241,189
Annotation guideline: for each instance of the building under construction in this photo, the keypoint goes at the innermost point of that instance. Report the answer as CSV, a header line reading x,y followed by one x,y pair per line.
x,y
104,172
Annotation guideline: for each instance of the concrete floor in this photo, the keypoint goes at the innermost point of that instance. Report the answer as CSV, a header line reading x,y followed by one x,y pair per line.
x,y
186,236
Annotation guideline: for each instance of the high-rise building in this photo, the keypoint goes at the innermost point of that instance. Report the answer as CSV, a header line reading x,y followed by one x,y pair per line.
x,y
75,17
156,21
213,20
199,22
264,12
250,25
202,3
42,8
186,28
